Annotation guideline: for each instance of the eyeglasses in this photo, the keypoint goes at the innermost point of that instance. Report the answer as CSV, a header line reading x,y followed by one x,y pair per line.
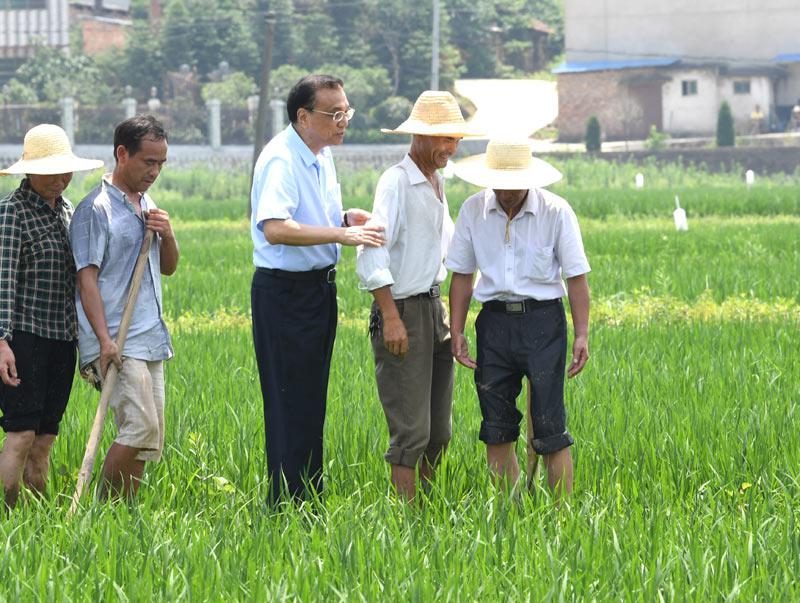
x,y
338,115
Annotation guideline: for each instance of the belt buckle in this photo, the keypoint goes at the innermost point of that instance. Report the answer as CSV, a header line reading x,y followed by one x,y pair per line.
x,y
434,291
330,277
515,307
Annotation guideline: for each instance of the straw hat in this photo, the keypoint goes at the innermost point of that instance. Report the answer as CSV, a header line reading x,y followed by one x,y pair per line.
x,y
507,166
47,151
435,113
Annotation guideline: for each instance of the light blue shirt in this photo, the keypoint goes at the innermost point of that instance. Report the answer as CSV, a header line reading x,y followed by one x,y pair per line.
x,y
289,181
106,232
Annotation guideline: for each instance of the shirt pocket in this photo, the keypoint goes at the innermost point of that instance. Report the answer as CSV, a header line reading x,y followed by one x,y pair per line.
x,y
540,263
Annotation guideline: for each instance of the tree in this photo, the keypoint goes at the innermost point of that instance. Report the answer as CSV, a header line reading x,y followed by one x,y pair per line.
x,y
142,62
593,134
234,89
202,33
726,136
50,74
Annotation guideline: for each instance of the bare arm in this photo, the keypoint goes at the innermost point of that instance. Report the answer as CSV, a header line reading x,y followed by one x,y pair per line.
x,y
290,232
158,221
460,295
95,312
578,292
395,337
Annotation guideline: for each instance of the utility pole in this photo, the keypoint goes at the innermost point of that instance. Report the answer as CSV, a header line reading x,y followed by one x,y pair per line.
x,y
435,47
263,95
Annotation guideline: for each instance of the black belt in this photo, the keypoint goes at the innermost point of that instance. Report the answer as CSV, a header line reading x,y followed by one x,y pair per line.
x,y
325,274
433,292
518,307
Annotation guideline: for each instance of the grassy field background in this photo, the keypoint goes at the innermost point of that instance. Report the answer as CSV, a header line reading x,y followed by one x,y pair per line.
x,y
686,424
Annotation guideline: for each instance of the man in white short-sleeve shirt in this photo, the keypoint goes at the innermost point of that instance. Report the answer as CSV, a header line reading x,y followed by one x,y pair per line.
x,y
408,324
523,240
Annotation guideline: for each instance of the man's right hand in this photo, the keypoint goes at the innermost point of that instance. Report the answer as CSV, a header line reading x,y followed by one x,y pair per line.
x,y
8,365
369,235
395,337
109,352
460,350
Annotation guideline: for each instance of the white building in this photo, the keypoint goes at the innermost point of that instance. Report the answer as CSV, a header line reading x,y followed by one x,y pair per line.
x,y
637,63
24,24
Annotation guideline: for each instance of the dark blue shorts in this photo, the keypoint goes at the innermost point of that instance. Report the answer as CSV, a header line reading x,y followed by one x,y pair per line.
x,y
512,345
45,368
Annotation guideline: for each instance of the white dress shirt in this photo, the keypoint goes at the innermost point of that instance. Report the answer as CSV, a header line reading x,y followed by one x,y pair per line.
x,y
521,258
418,231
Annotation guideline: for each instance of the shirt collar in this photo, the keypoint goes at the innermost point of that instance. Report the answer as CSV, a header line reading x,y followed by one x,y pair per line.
x,y
298,144
116,193
415,175
530,205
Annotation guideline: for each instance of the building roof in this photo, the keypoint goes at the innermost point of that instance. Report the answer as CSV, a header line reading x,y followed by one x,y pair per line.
x,y
583,67
787,58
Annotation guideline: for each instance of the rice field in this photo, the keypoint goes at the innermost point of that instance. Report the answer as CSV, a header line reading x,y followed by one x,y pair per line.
x,y
686,420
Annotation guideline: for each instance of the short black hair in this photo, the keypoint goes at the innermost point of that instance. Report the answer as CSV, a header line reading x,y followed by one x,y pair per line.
x,y
304,92
133,130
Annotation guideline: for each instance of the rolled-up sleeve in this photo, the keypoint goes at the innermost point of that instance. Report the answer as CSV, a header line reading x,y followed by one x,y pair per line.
x,y
88,235
278,196
373,263
10,241
461,253
569,248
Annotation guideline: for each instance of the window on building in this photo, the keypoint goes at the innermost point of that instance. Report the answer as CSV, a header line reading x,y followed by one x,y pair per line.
x,y
23,4
689,87
741,87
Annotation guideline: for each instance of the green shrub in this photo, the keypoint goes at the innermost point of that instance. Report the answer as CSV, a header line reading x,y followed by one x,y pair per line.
x,y
656,140
726,137
593,134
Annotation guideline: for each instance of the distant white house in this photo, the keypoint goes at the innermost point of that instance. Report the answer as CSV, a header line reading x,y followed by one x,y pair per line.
x,y
637,63
24,24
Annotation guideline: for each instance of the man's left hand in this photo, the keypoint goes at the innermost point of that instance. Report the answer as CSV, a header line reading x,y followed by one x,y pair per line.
x,y
580,354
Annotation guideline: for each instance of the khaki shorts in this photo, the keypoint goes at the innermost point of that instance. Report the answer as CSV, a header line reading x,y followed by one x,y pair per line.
x,y
416,391
138,405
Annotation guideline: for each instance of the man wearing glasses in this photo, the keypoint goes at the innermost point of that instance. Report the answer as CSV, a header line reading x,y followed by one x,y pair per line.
x,y
297,228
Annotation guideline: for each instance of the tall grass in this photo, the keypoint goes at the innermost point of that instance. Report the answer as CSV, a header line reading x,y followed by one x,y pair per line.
x,y
685,420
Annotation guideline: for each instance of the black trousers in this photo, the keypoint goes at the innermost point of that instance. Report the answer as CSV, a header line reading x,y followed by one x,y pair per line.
x,y
294,327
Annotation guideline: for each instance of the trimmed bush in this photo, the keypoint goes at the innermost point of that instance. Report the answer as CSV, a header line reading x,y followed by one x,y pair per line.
x,y
726,137
593,134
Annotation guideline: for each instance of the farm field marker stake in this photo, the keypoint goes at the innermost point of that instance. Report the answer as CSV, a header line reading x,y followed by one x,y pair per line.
x,y
680,216
110,380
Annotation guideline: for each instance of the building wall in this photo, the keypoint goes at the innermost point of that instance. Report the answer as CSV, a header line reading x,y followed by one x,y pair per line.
x,y
21,30
692,115
742,105
605,95
757,30
100,36
788,90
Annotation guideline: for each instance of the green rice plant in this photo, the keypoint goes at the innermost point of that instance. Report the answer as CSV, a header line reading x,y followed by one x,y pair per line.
x,y
685,420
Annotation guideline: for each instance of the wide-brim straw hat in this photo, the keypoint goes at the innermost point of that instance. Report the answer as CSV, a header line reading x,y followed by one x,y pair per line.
x,y
46,151
435,113
507,166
